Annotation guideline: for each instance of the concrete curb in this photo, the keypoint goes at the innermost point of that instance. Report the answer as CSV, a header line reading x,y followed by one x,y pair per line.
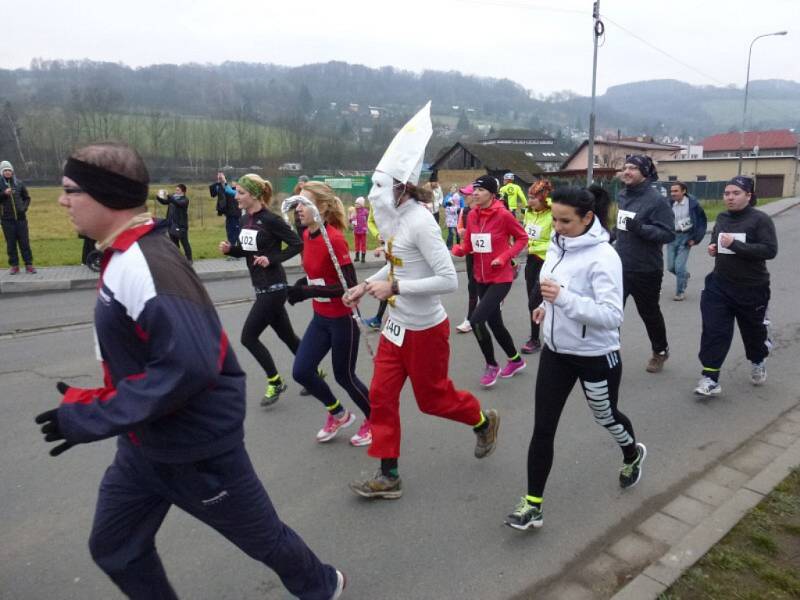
x,y
725,494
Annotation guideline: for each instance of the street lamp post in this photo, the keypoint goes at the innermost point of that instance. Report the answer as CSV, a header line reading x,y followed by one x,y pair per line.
x,y
597,30
746,87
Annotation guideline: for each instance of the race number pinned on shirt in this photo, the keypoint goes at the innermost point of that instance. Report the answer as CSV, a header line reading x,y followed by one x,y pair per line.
x,y
742,237
684,224
622,217
247,240
319,281
394,332
533,231
481,243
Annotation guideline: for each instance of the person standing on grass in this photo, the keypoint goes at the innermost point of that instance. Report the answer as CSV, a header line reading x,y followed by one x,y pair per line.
x,y
14,204
690,229
738,289
581,284
173,395
262,237
644,224
178,217
227,207
538,224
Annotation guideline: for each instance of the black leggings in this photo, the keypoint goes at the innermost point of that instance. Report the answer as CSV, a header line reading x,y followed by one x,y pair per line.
x,y
488,311
183,240
268,310
472,287
599,377
532,269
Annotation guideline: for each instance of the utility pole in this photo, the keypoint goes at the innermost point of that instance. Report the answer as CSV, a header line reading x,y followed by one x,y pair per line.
x,y
597,30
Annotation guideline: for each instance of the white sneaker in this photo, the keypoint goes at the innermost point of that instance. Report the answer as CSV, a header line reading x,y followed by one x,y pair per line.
x,y
708,387
758,373
341,583
465,327
333,425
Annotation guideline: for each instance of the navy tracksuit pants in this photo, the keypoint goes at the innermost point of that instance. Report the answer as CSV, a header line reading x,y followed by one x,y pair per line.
x,y
224,492
721,303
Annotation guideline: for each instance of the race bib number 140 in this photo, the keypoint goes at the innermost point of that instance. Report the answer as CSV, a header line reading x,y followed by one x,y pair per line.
x,y
394,332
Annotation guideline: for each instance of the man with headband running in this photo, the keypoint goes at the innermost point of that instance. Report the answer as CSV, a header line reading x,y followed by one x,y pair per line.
x,y
173,395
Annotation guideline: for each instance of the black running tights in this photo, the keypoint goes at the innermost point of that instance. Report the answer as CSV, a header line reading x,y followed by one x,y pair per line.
x,y
599,377
268,310
487,311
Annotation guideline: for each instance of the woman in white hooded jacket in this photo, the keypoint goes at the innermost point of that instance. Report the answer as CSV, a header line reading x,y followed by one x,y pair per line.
x,y
582,311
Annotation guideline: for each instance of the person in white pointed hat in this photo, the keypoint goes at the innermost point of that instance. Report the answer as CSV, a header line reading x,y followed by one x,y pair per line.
x,y
414,341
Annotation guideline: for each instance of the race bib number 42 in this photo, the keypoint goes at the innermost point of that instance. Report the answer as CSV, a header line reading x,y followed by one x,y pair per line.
x,y
394,332
481,243
247,240
622,217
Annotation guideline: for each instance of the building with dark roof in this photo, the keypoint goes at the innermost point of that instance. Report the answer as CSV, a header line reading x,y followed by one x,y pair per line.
x,y
463,162
543,149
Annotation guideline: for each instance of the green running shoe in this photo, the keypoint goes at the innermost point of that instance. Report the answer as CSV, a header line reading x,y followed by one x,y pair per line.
x,y
525,516
273,392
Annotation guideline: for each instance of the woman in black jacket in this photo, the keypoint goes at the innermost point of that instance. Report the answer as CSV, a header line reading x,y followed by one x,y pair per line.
x,y
260,238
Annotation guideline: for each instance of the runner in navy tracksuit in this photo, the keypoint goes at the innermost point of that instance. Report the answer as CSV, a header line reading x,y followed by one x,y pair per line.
x,y
261,238
173,394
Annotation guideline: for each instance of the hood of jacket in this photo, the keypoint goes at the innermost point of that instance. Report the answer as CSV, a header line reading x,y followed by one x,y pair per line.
x,y
596,234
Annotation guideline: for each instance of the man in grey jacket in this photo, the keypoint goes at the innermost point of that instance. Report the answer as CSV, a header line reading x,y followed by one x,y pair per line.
x,y
644,224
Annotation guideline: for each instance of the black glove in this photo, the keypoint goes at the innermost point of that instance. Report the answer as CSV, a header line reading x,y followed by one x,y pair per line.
x,y
49,422
298,293
633,225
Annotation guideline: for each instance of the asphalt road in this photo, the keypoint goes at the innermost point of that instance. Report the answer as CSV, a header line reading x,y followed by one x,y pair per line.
x,y
445,537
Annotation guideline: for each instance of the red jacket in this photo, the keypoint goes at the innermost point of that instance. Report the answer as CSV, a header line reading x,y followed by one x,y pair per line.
x,y
488,238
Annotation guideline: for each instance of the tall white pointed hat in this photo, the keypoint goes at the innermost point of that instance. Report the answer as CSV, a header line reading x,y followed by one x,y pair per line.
x,y
403,158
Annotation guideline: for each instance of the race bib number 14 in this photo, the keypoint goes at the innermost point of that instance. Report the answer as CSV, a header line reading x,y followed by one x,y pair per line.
x,y
622,216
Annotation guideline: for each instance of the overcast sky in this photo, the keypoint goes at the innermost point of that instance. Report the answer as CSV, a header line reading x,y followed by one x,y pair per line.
x,y
546,45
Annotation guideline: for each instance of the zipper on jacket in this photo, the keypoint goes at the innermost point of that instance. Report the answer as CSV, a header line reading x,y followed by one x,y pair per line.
x,y
553,318
583,333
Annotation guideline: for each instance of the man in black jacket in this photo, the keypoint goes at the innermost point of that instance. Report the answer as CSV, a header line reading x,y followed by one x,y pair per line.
x,y
178,217
14,203
644,224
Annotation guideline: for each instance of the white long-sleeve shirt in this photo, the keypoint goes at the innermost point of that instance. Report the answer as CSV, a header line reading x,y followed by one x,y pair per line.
x,y
425,269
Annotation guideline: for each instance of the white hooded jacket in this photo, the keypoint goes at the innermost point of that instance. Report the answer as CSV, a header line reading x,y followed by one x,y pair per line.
x,y
586,316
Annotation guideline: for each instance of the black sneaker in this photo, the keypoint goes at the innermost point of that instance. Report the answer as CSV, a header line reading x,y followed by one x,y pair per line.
x,y
630,474
525,516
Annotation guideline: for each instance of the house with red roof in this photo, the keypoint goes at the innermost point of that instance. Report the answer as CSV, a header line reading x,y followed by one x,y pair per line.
x,y
773,142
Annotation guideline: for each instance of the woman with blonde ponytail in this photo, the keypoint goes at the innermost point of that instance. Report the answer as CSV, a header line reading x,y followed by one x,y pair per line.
x,y
332,327
260,239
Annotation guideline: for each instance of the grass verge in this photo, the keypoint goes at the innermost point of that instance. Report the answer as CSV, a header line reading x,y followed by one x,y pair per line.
x,y
759,559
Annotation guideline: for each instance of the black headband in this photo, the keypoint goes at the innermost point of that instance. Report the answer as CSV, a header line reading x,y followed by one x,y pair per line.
x,y
108,188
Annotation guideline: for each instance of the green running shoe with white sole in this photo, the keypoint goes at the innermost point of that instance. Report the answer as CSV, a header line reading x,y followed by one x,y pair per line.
x,y
525,516
272,393
630,474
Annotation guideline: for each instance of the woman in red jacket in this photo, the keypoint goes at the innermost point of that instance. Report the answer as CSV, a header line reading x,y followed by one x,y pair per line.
x,y
490,226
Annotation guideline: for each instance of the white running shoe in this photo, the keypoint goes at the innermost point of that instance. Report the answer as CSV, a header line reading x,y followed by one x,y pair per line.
x,y
758,373
334,424
341,583
465,327
708,387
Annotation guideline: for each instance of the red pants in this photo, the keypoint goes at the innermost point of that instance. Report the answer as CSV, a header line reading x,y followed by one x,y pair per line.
x,y
424,358
360,241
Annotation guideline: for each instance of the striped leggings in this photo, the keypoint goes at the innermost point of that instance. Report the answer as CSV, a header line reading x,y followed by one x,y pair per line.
x,y
600,377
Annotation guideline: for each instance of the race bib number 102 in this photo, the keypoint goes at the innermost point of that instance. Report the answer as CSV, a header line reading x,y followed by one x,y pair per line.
x,y
247,240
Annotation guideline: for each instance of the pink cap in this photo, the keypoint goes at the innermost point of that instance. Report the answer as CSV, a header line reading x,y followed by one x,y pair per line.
x,y
467,190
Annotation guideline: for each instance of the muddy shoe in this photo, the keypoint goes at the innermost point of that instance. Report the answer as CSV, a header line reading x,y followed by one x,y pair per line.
x,y
656,362
487,437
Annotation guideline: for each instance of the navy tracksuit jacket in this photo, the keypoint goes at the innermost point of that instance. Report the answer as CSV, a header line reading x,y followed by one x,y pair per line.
x,y
175,395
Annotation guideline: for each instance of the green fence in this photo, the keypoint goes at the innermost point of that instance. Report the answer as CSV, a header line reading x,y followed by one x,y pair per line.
x,y
346,187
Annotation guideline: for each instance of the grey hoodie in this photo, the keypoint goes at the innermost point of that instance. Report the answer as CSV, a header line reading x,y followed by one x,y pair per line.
x,y
586,316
